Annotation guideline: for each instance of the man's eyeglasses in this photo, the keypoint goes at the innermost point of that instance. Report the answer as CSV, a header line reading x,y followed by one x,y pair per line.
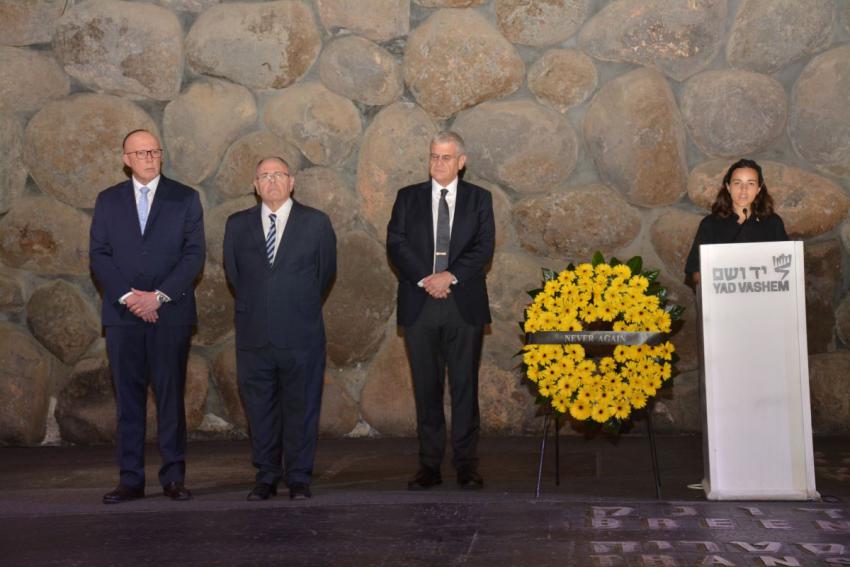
x,y
274,175
142,154
445,158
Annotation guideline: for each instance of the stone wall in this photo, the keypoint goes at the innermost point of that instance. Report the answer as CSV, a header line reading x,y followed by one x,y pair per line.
x,y
596,124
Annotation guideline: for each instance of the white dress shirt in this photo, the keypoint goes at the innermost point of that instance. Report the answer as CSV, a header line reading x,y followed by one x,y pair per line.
x,y
137,186
280,222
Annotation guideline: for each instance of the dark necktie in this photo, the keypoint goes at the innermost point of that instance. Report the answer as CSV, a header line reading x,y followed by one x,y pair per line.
x,y
441,252
270,239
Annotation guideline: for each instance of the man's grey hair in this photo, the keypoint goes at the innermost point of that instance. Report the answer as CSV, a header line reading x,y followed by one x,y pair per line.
x,y
446,137
272,158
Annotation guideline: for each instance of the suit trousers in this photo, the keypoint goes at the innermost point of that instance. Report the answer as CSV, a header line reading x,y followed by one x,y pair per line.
x,y
155,354
441,340
282,392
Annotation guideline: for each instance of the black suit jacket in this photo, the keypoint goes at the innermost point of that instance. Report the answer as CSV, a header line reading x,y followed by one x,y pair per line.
x,y
410,244
280,304
168,257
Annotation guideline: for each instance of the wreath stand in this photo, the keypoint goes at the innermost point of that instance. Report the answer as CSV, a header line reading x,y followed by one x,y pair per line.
x,y
595,337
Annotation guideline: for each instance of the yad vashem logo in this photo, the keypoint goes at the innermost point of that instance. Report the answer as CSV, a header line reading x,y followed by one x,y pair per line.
x,y
754,279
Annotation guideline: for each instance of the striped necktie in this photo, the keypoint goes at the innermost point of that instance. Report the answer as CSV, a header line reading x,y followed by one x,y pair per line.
x,y
272,236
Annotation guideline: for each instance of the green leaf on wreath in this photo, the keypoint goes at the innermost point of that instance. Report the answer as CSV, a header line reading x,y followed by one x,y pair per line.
x,y
533,293
571,267
661,294
674,358
653,288
549,275
652,275
597,259
541,400
675,311
614,262
635,263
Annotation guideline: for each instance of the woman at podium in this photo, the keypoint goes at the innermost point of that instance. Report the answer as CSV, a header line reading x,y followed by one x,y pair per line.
x,y
742,212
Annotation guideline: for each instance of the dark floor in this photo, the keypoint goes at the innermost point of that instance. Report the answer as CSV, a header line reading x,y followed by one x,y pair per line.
x,y
603,513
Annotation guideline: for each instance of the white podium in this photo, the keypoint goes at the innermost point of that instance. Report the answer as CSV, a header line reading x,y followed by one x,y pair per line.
x,y
757,426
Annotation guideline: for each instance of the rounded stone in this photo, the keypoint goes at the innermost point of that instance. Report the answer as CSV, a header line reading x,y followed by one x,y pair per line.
x,y
13,175
540,22
268,45
323,125
224,378
734,113
361,70
73,146
636,137
235,175
192,6
338,414
449,3
677,408
215,306
822,264
830,394
677,38
769,34
512,275
361,301
519,144
329,191
49,245
130,49
507,406
809,204
378,20
672,234
85,410
25,22
194,397
457,59
201,123
24,373
502,211
574,223
393,154
819,125
11,293
845,15
386,402
842,320
62,320
214,225
29,79
562,78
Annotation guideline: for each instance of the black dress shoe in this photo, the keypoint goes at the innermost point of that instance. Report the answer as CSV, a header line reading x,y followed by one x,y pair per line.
x,y
469,479
123,494
425,479
176,491
262,491
299,491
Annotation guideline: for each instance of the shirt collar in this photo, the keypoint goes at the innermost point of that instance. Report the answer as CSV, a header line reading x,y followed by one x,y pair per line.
x,y
152,185
282,211
452,187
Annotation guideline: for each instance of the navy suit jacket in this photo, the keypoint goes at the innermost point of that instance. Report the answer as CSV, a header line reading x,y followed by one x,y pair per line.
x,y
280,304
410,244
168,257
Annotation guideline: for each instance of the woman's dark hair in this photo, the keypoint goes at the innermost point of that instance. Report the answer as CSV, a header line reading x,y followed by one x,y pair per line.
x,y
762,205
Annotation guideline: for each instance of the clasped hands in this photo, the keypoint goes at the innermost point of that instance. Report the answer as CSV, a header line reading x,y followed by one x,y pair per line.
x,y
144,305
438,285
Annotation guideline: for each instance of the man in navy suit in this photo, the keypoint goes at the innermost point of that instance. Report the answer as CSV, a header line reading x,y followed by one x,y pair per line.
x,y
441,238
280,258
146,250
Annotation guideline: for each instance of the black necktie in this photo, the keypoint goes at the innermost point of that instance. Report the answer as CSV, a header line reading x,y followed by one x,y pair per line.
x,y
441,252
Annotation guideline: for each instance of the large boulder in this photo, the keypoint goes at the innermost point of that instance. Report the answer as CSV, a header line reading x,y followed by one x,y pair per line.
x,y
331,192
62,320
361,70
823,277
49,245
129,49
267,45
456,59
378,20
323,125
29,79
502,211
574,223
819,125
194,398
13,176
361,301
85,410
449,3
73,146
201,123
677,38
676,408
393,154
215,307
809,204
191,6
842,320
24,371
636,137
338,414
519,144
562,78
830,392
506,404
541,22
672,235
512,275
235,176
769,34
11,293
214,224
25,22
386,401
224,378
734,113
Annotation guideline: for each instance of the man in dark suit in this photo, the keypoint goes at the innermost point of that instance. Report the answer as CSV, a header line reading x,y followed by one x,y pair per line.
x,y
146,249
440,238
280,258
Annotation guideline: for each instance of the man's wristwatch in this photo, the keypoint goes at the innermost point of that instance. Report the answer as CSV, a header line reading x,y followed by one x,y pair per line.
x,y
161,297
